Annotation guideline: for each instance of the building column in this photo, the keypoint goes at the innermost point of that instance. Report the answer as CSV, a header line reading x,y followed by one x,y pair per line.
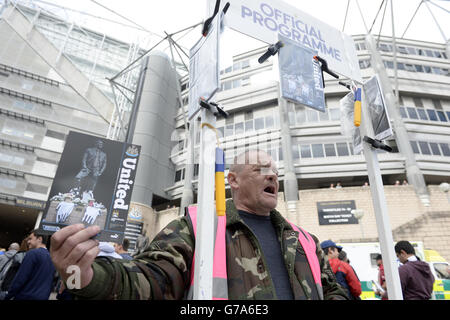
x,y
290,178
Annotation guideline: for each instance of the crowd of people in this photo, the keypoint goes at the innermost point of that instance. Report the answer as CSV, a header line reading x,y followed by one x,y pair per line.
x,y
27,271
267,257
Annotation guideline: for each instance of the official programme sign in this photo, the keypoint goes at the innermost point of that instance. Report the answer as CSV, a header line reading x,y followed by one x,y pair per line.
x,y
265,19
336,212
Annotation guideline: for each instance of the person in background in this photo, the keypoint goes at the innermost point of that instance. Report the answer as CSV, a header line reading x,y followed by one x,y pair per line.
x,y
345,275
34,280
381,278
415,275
122,249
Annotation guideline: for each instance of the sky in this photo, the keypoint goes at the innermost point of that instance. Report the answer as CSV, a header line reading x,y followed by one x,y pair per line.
x,y
160,16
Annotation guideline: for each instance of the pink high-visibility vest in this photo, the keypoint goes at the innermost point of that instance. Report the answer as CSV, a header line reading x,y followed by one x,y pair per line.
x,y
220,286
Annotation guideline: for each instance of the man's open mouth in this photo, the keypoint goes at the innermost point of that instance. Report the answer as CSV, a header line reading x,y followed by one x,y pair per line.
x,y
270,189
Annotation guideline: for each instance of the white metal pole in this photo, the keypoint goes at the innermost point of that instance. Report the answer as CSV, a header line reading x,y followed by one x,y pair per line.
x,y
204,243
394,288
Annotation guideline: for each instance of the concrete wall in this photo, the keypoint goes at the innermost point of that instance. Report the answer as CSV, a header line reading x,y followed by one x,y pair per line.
x,y
409,219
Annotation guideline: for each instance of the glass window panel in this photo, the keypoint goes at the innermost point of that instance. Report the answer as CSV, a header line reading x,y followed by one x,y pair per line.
x,y
335,114
429,53
305,150
432,114
220,129
269,122
317,150
427,69
236,83
424,147
229,130
248,115
412,113
295,153
445,149
249,126
239,128
411,50
259,123
330,150
312,115
342,149
280,153
419,68
324,116
415,147
400,66
422,114
435,149
448,114
300,115
441,116
403,113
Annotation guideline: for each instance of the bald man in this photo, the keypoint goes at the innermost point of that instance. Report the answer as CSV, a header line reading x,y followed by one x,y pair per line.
x,y
264,258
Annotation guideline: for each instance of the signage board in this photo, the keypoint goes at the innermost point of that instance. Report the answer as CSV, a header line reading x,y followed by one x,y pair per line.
x,y
204,68
336,212
265,19
300,75
377,108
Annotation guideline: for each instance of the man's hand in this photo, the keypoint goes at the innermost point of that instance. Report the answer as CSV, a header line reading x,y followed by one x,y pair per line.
x,y
73,245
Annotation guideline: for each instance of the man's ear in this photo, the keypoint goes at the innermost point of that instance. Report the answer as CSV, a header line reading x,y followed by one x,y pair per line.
x,y
232,180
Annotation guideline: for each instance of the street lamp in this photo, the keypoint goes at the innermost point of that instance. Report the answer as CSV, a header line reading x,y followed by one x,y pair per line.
x,y
359,214
445,187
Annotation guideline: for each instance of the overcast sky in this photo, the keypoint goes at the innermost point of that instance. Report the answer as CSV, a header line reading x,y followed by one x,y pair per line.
x,y
173,15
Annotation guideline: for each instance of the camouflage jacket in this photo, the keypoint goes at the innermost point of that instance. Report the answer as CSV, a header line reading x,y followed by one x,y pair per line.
x,y
162,271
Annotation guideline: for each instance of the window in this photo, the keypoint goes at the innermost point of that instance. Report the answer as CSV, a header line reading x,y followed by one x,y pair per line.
x,y
409,67
259,123
402,49
427,69
178,175
385,47
317,150
335,114
412,113
330,150
295,154
229,130
411,50
269,122
312,115
248,115
7,183
389,64
415,147
323,116
245,64
342,149
403,113
305,150
424,148
441,116
422,114
249,126
300,115
429,53
445,149
435,149
239,128
432,115
400,66
418,67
